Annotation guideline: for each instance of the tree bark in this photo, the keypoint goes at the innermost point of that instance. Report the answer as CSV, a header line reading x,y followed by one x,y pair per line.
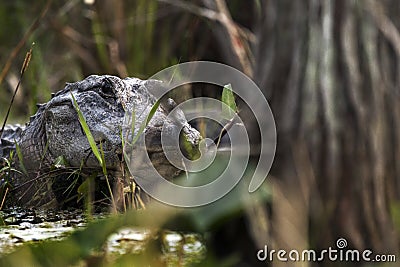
x,y
331,72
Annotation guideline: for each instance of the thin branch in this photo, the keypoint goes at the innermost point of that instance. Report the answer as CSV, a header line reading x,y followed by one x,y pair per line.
x,y
4,198
238,36
384,24
240,47
199,11
23,69
22,42
224,131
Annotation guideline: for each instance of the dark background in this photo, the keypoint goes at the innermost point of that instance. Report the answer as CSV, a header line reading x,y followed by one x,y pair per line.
x,y
329,69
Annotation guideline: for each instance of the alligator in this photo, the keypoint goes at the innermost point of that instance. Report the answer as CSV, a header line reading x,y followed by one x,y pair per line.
x,y
53,145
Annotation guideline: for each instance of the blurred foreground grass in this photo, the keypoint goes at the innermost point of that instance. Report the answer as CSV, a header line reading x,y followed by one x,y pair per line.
x,y
86,246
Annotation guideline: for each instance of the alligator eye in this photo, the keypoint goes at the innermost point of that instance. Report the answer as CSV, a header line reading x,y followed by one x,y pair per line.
x,y
107,87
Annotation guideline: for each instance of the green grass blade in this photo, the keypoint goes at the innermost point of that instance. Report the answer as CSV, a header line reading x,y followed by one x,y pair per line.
x,y
20,158
86,190
132,129
133,122
88,134
230,108
108,182
101,45
146,122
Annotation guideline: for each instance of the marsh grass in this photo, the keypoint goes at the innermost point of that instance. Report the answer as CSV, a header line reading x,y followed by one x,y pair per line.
x,y
6,173
144,124
25,65
129,139
87,185
98,154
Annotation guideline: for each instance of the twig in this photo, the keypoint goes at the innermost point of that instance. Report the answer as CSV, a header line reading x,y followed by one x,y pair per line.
x,y
139,199
236,40
209,14
199,11
186,171
21,43
4,198
23,69
237,35
224,131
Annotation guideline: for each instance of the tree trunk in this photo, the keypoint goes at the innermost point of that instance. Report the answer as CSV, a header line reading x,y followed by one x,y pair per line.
x,y
331,72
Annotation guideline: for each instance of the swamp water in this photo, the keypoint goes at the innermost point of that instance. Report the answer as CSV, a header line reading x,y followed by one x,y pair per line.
x,y
20,227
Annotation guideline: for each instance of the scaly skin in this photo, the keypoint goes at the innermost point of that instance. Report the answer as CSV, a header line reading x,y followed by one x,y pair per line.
x,y
55,131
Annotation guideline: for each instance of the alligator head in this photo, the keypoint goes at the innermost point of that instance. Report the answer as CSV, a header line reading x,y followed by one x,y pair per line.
x,y
56,131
